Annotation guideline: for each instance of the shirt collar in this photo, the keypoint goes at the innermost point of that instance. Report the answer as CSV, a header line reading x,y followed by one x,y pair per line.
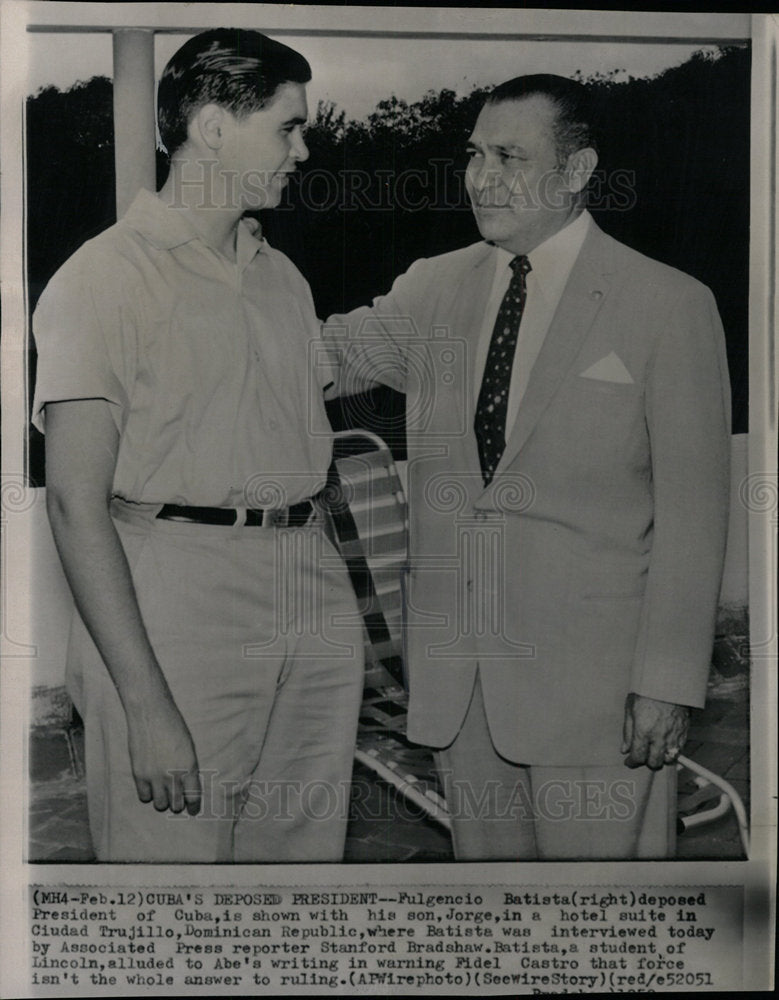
x,y
166,228
248,241
551,261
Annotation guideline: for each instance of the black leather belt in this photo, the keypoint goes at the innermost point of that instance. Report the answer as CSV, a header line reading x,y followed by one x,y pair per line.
x,y
283,517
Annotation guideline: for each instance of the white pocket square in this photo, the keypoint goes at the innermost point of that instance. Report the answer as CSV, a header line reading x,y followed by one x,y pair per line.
x,y
609,369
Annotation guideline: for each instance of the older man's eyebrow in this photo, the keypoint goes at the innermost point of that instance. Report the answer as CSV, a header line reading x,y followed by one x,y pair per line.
x,y
509,148
294,121
512,148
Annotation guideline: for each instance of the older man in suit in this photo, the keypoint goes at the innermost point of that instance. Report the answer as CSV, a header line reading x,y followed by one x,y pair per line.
x,y
568,439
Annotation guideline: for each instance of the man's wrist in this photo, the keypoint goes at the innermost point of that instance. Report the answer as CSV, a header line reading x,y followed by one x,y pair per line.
x,y
146,689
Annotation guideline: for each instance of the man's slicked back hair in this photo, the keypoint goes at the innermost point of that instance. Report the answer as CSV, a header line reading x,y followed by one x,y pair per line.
x,y
237,69
574,126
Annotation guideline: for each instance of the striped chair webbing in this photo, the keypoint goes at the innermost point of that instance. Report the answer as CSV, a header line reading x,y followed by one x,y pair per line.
x,y
383,748
366,507
368,511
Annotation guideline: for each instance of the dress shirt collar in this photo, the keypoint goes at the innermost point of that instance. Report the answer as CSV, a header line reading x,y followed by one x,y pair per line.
x,y
167,228
552,260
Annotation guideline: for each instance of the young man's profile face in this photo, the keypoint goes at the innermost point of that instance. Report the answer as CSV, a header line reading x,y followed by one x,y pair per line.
x,y
265,147
518,194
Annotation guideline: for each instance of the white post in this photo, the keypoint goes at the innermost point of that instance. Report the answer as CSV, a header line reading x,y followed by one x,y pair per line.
x,y
134,131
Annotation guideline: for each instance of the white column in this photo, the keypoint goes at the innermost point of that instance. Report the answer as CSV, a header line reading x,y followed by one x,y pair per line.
x,y
134,121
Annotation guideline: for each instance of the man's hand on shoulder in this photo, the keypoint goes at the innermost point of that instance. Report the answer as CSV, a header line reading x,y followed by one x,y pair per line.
x,y
653,732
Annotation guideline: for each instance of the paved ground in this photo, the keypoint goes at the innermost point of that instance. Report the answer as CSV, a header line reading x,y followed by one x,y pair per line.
x,y
385,827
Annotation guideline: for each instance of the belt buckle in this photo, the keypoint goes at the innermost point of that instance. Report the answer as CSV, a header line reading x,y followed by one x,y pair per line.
x,y
276,517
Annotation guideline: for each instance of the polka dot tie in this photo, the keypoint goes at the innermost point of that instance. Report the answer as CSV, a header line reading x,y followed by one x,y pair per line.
x,y
490,421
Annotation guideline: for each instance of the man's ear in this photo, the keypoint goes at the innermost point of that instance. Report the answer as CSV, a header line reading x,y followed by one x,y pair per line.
x,y
205,126
580,168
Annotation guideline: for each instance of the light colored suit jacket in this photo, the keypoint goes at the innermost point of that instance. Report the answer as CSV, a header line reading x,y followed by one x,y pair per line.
x,y
591,565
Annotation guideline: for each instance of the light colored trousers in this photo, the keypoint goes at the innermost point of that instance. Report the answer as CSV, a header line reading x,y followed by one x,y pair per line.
x,y
260,641
506,811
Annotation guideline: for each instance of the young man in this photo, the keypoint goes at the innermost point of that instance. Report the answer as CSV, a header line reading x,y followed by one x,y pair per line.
x,y
568,489
216,653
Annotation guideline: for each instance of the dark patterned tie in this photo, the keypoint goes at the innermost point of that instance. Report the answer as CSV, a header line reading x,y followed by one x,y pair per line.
x,y
490,420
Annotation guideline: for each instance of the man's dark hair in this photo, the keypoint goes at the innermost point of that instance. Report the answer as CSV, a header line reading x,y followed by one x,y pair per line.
x,y
574,125
236,69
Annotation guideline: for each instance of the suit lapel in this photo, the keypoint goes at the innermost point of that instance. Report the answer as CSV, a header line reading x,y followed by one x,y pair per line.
x,y
470,303
581,301
465,293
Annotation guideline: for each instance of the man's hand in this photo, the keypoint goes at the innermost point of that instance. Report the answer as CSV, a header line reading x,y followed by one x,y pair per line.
x,y
163,760
653,732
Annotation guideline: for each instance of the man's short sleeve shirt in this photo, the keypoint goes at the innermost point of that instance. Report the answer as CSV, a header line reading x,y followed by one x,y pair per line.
x,y
211,367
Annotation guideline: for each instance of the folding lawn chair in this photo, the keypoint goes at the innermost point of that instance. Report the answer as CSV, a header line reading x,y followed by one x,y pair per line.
x,y
366,506
711,788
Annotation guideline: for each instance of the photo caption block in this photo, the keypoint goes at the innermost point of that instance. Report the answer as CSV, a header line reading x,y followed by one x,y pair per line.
x,y
497,939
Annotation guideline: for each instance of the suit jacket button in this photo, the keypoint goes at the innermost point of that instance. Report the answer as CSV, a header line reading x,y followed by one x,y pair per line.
x,y
596,294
